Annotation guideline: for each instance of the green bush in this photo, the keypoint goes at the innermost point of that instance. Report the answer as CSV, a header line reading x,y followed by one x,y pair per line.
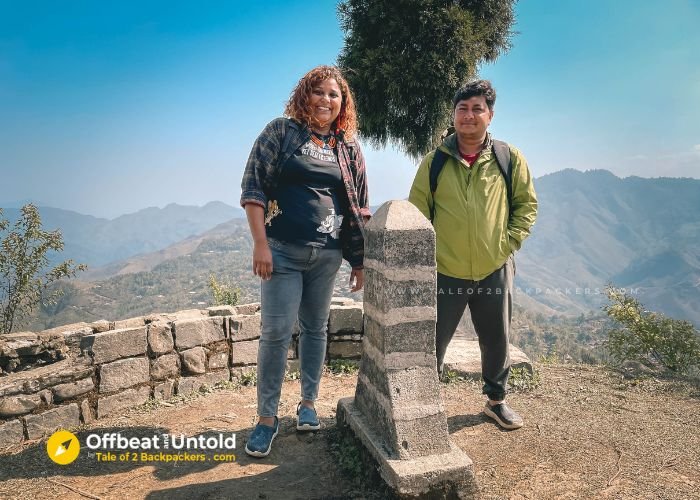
x,y
650,338
26,275
524,380
343,366
347,453
451,377
248,378
224,293
552,357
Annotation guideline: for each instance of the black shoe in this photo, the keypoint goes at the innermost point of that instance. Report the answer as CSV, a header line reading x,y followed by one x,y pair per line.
x,y
504,415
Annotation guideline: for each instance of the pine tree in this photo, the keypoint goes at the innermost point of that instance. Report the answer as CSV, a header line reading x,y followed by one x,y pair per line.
x,y
405,59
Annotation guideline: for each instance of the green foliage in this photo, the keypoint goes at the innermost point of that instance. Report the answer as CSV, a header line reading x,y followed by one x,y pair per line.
x,y
225,294
150,405
650,338
226,385
175,284
66,294
550,358
560,338
24,263
343,367
248,378
405,59
348,454
451,377
523,380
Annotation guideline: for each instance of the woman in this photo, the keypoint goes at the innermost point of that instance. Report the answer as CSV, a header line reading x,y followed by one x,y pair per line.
x,y
305,195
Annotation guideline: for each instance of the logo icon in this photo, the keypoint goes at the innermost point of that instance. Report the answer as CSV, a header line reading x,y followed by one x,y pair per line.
x,y
63,447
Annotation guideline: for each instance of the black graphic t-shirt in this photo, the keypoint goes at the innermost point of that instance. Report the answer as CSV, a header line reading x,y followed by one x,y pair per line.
x,y
307,207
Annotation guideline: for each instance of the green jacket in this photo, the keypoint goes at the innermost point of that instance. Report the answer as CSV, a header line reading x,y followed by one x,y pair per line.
x,y
474,236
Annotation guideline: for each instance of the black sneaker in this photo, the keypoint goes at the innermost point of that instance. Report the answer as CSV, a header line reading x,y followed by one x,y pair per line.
x,y
504,415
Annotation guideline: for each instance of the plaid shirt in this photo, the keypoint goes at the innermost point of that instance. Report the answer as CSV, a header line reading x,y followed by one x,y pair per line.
x,y
266,160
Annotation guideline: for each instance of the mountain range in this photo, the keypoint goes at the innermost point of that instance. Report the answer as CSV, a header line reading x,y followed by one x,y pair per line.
x,y
96,242
593,228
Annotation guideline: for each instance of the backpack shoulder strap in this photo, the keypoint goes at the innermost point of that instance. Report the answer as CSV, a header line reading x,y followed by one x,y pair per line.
x,y
285,152
502,152
439,159
351,145
287,139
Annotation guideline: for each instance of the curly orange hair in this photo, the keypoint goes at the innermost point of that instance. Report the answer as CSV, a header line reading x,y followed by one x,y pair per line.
x,y
299,108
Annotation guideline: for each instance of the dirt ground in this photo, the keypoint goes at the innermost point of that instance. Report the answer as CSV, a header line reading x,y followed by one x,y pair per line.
x,y
589,433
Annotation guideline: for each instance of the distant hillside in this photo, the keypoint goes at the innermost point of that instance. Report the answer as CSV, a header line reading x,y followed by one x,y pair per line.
x,y
96,242
169,280
593,228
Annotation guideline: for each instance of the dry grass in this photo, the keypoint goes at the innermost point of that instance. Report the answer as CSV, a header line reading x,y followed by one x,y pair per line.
x,y
589,433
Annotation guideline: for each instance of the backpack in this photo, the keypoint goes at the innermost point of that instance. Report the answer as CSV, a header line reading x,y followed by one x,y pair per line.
x,y
502,153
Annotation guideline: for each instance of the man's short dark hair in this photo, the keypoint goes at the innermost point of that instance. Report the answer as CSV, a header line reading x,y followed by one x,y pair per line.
x,y
475,89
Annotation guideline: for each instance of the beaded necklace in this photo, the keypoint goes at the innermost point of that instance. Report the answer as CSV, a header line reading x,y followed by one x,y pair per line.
x,y
325,142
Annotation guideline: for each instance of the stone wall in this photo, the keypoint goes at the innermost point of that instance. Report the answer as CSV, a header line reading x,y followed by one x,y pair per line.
x,y
67,376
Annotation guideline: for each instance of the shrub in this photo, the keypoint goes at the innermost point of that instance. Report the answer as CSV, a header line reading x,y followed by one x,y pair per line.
x,y
523,380
343,366
25,271
224,293
248,378
451,377
650,338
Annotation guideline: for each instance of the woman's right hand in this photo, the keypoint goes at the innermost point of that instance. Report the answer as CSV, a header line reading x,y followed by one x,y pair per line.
x,y
262,260
262,256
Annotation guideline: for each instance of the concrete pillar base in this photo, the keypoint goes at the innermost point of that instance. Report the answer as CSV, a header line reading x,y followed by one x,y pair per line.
x,y
447,475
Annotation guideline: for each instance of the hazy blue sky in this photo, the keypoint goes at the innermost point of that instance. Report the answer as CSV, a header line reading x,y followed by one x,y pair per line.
x,y
110,107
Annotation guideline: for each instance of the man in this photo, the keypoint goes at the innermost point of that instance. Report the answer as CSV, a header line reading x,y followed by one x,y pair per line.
x,y
478,226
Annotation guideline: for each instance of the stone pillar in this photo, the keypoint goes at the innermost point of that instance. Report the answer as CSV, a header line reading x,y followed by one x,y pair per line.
x,y
397,412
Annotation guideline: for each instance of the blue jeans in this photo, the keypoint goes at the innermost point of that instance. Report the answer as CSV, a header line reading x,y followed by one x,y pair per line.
x,y
301,285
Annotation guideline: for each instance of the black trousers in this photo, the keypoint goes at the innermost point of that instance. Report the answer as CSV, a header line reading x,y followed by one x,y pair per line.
x,y
490,303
